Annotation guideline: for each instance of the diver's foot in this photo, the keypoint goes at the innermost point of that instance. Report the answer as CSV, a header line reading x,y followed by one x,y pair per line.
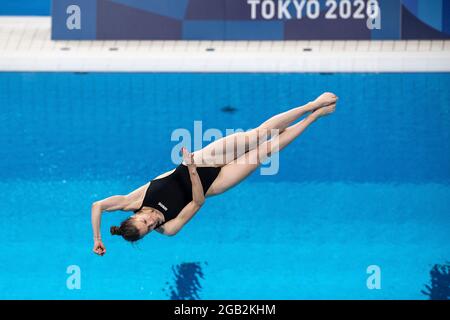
x,y
324,100
324,111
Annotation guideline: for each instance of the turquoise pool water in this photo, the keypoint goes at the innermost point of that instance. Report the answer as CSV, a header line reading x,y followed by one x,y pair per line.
x,y
25,7
367,186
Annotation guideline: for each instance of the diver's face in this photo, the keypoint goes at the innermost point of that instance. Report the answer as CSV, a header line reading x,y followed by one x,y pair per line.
x,y
144,223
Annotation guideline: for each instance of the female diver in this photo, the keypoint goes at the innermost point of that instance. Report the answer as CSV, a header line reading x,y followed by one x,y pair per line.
x,y
168,202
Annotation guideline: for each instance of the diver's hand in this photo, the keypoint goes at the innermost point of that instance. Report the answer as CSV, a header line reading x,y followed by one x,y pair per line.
x,y
99,248
188,158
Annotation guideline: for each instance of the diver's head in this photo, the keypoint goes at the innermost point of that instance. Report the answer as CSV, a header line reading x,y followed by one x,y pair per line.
x,y
136,227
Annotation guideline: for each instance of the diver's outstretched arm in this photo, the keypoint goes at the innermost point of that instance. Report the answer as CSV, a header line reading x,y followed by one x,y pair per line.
x,y
126,203
113,203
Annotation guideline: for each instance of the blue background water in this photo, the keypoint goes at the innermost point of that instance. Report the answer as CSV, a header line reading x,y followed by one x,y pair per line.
x,y
368,185
25,7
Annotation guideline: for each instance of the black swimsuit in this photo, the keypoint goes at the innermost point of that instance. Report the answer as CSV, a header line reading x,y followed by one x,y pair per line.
x,y
171,194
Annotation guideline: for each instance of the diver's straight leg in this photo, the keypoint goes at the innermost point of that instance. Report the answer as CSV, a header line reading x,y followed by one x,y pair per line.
x,y
283,120
229,148
239,169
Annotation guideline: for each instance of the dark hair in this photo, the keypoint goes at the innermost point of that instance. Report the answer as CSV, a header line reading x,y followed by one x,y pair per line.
x,y
127,230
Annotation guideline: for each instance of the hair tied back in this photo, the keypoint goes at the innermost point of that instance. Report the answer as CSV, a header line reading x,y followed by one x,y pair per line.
x,y
115,231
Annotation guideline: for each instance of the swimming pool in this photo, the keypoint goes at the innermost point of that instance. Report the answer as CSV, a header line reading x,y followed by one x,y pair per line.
x,y
366,186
